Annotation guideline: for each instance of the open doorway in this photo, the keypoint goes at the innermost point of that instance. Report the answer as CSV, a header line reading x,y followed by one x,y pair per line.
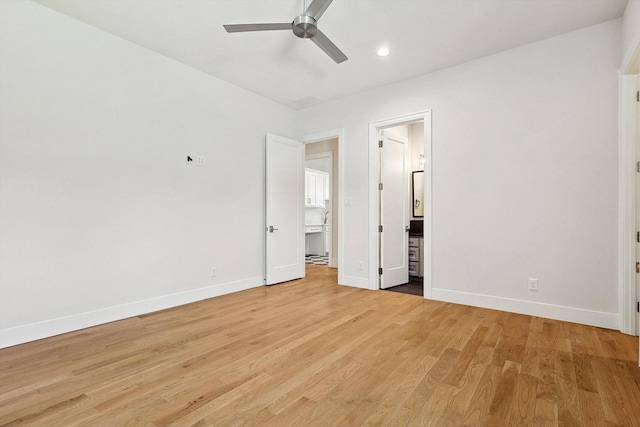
x,y
319,202
323,194
400,211
404,244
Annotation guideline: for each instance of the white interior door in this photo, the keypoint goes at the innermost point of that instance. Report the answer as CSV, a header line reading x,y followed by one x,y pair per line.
x,y
394,210
284,209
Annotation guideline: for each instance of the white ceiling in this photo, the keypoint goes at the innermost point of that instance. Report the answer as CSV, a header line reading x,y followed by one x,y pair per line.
x,y
423,36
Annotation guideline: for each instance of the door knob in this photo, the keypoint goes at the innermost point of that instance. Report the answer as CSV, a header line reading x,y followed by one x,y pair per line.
x,y
271,229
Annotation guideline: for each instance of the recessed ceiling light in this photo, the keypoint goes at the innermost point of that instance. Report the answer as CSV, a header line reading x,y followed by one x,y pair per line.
x,y
383,51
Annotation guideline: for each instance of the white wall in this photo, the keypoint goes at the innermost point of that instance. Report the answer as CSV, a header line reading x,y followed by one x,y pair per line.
x,y
322,164
631,30
416,142
524,174
100,217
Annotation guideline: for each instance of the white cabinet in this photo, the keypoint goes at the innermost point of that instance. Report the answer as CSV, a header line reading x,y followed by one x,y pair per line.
x,y
326,183
314,240
316,187
321,185
310,187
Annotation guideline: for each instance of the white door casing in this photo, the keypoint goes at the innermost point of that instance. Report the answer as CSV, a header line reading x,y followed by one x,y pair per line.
x,y
394,210
629,126
284,209
628,206
373,206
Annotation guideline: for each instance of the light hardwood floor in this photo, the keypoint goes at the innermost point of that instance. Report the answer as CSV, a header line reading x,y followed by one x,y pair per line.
x,y
310,352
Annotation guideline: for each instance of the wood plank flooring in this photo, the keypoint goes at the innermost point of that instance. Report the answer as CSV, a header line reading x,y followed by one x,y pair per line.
x,y
310,352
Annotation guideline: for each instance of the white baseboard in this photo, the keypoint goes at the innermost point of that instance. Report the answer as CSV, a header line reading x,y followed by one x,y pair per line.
x,y
557,312
35,331
356,282
61,325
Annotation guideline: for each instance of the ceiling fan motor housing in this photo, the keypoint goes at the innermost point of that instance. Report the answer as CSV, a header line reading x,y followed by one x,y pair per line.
x,y
304,27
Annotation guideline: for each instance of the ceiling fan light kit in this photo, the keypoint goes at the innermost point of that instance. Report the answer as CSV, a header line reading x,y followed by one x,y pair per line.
x,y
304,26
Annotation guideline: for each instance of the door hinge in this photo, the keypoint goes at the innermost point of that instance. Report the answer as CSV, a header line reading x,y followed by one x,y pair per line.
x,y
380,143
638,236
638,96
637,267
380,186
380,271
638,167
638,306
380,229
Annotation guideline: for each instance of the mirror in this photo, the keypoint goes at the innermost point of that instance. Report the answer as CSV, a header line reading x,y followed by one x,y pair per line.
x,y
417,190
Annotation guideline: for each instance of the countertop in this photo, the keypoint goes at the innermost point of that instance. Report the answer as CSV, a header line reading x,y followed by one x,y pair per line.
x,y
315,229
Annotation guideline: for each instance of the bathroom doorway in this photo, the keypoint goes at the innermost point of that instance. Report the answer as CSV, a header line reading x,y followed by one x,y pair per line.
x,y
401,210
413,251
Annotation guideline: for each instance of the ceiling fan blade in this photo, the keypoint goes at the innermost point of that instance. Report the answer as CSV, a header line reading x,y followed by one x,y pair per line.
x,y
240,28
317,8
329,48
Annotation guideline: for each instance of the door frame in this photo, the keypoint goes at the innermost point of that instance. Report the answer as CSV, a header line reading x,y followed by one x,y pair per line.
x,y
339,135
374,196
628,293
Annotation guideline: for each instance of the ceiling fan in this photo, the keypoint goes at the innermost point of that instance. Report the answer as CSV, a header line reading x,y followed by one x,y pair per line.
x,y
304,26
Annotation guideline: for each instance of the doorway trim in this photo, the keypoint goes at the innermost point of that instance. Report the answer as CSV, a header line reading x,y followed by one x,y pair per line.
x,y
628,292
339,135
374,238
627,215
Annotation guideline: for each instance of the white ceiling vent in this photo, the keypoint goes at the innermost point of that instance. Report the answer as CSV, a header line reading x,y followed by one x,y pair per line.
x,y
308,101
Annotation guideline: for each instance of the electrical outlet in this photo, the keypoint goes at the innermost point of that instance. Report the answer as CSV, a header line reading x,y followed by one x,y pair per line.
x,y
214,272
533,284
200,161
360,265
